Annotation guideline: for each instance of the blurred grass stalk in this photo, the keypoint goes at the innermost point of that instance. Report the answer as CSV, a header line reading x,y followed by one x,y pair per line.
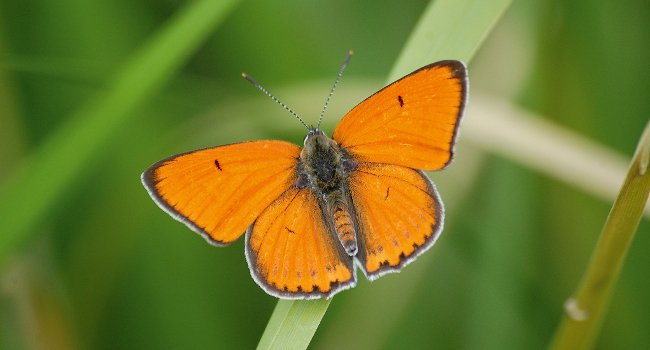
x,y
585,311
448,29
41,179
541,145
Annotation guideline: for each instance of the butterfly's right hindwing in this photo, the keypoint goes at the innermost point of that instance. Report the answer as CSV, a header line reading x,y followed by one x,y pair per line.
x,y
292,255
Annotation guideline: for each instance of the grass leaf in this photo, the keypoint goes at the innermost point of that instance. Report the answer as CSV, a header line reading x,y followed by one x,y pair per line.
x,y
448,29
293,324
40,181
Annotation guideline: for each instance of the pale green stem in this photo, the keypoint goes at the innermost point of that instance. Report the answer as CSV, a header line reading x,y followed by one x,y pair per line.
x,y
585,311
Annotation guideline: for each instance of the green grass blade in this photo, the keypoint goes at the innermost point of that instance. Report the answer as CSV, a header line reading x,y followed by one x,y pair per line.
x,y
293,324
38,183
448,29
585,311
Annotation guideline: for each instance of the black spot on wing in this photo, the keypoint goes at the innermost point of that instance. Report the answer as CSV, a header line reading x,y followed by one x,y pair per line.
x,y
216,163
400,100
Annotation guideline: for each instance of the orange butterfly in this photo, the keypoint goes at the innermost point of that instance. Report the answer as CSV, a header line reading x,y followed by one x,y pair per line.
x,y
310,214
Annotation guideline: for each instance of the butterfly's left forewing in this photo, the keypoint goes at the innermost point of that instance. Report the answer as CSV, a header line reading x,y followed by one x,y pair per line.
x,y
412,122
292,255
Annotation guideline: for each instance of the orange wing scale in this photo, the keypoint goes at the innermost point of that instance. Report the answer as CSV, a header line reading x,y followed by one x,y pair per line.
x,y
400,215
291,254
218,192
412,122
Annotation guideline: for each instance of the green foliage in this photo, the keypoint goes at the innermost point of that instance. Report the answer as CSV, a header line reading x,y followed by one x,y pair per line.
x,y
38,183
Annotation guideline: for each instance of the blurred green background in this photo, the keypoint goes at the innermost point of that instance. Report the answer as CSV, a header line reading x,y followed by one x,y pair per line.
x,y
106,268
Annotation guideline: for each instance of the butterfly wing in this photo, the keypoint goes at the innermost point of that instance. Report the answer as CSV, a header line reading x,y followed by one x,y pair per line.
x,y
399,214
411,122
290,252
218,192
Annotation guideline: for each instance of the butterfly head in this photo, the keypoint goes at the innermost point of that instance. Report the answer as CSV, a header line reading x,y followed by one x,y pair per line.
x,y
317,142
318,145
324,165
315,134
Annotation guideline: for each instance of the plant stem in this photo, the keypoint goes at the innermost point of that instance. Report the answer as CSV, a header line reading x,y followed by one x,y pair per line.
x,y
584,312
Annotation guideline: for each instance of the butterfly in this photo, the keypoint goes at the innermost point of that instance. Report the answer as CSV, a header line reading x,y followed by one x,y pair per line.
x,y
311,216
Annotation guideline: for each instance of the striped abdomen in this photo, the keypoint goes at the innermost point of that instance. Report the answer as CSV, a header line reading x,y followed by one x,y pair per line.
x,y
345,229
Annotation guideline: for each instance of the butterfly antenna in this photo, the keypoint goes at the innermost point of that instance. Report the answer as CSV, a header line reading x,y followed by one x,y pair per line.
x,y
338,78
257,85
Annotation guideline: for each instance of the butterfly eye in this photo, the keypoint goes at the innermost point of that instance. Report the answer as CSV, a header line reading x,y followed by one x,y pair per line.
x,y
302,182
349,165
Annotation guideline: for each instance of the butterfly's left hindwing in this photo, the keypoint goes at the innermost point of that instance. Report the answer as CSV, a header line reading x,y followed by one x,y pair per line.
x,y
400,216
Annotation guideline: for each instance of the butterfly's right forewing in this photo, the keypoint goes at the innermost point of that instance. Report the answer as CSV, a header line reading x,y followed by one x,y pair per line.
x,y
218,192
